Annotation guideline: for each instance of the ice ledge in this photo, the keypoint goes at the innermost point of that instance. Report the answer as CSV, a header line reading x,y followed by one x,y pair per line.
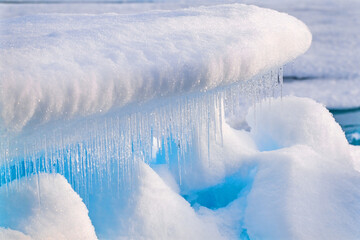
x,y
63,66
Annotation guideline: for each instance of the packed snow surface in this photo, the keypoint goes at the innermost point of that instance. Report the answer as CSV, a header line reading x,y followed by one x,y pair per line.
x,y
334,54
61,66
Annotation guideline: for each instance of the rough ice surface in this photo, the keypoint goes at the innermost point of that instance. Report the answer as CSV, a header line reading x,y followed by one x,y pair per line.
x,y
65,66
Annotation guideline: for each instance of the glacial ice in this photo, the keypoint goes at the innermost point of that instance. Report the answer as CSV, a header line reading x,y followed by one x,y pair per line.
x,y
65,66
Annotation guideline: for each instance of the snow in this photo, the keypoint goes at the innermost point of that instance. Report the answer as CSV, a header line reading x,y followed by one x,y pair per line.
x,y
43,207
187,165
333,55
65,66
16,10
9,234
330,68
333,93
273,131
157,212
355,153
306,186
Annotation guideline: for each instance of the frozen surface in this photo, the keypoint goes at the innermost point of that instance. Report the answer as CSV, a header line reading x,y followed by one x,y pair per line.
x,y
43,207
62,66
333,93
16,10
295,178
333,56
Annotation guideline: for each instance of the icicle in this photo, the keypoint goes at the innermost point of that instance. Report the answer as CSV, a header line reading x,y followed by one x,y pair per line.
x,y
104,151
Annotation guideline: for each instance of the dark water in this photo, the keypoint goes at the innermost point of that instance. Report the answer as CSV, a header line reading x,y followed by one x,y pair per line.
x,y
349,120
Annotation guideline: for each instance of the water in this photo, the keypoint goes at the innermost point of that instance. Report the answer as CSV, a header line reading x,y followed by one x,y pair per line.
x,y
349,120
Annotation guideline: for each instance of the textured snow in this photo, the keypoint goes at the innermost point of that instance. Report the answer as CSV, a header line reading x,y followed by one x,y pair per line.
x,y
306,186
43,207
157,212
61,66
9,234
333,56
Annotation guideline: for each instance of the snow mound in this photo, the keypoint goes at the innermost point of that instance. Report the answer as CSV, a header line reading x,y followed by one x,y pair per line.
x,y
159,213
63,66
306,186
43,207
9,234
273,127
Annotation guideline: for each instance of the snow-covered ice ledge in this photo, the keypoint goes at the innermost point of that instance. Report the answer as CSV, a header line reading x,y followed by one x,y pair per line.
x,y
64,66
150,80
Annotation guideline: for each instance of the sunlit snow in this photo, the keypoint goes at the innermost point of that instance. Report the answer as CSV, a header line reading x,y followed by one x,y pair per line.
x,y
118,123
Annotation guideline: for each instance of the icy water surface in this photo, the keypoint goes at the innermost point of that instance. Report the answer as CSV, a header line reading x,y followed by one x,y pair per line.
x,y
349,120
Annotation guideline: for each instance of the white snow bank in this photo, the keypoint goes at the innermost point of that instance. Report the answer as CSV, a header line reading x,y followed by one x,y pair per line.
x,y
333,93
44,207
306,186
157,212
9,234
298,194
273,127
355,153
149,209
61,66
